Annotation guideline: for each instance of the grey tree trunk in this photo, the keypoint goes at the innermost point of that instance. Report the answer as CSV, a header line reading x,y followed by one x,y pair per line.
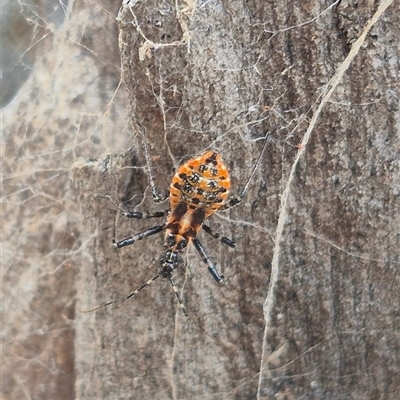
x,y
310,304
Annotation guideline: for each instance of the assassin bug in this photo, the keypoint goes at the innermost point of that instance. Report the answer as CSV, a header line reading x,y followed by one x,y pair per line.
x,y
199,188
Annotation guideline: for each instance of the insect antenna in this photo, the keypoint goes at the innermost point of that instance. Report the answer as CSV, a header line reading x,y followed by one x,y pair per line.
x,y
183,308
149,282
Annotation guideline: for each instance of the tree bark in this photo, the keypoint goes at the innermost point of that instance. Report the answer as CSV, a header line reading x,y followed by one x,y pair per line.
x,y
69,107
310,305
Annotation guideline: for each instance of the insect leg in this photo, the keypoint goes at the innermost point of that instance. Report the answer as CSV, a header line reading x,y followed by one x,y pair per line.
x,y
216,235
139,236
137,214
143,215
211,268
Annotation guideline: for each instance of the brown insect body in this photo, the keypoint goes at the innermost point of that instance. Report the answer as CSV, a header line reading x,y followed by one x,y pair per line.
x,y
198,189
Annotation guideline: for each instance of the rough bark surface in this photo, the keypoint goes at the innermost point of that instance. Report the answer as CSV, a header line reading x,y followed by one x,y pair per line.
x,y
68,107
310,307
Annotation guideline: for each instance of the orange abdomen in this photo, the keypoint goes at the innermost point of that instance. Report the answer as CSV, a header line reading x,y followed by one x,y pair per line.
x,y
198,189
201,182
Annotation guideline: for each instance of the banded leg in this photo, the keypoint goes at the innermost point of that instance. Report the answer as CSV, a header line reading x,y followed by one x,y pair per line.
x,y
234,200
143,215
139,236
149,282
216,235
211,268
137,214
